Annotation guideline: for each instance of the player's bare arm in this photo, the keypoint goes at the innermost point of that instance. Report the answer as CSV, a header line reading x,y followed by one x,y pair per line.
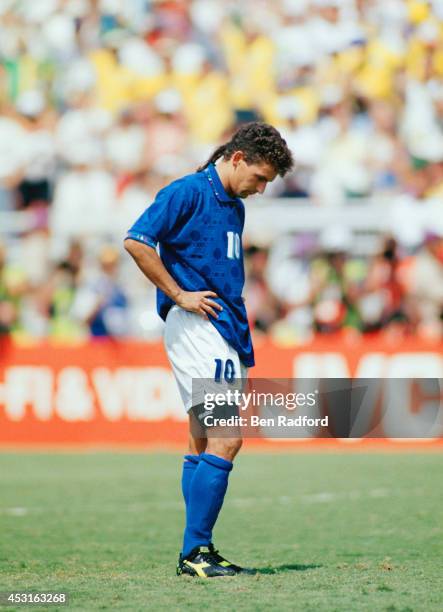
x,y
152,267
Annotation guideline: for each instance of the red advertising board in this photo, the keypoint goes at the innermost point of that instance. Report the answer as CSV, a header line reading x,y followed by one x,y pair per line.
x,y
123,394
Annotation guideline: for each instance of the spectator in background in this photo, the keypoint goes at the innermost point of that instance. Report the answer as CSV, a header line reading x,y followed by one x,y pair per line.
x,y
263,308
343,170
380,301
434,175
126,144
166,131
425,287
84,199
83,126
387,158
37,173
55,297
134,193
12,156
334,287
12,288
101,302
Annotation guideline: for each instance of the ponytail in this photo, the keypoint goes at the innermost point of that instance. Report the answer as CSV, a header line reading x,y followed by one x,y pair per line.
x,y
219,152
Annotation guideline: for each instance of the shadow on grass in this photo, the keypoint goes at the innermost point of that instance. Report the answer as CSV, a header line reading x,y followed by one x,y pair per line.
x,y
288,567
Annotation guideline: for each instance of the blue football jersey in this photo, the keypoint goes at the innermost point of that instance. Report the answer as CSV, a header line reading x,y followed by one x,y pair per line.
x,y
198,227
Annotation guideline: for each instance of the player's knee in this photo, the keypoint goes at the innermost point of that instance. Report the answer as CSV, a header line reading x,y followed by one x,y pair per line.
x,y
234,445
224,447
237,444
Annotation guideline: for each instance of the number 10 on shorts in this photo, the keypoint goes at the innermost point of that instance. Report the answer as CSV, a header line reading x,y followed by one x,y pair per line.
x,y
225,369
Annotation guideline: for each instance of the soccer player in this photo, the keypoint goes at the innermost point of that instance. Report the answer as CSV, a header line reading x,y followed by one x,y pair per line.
x,y
197,221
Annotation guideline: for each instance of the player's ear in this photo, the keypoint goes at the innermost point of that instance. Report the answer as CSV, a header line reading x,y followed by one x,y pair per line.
x,y
237,157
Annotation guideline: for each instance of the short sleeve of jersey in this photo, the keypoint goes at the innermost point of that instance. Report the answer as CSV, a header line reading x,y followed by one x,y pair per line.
x,y
163,216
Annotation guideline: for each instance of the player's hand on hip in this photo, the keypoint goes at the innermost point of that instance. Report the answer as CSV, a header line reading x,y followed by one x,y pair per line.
x,y
199,302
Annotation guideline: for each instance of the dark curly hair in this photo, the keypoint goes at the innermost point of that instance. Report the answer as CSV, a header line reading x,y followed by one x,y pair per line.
x,y
260,142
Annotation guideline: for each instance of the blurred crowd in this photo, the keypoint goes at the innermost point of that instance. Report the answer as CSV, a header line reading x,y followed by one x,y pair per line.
x,y
301,286
103,102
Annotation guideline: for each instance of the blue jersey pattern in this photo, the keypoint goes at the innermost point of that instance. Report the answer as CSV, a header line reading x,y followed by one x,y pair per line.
x,y
198,227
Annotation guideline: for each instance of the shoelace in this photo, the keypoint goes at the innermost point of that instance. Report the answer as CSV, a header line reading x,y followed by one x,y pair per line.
x,y
213,550
209,556
217,557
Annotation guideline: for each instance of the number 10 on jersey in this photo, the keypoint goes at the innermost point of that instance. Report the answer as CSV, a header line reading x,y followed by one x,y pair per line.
x,y
233,245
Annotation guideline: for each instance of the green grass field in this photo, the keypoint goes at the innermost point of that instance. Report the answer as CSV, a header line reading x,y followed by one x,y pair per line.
x,y
327,532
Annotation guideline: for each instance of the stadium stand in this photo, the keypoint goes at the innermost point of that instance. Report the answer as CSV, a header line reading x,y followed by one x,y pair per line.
x,y
103,102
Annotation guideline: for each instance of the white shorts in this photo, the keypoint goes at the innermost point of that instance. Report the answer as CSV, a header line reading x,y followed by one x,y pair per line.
x,y
196,350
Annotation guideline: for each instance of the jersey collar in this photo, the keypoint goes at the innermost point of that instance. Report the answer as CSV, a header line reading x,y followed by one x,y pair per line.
x,y
217,186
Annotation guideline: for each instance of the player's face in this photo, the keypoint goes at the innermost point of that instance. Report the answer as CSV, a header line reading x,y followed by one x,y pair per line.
x,y
248,179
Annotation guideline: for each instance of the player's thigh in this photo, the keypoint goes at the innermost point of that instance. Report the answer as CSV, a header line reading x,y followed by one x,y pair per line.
x,y
199,356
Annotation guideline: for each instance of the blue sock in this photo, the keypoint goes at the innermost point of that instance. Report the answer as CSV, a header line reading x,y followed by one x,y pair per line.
x,y
189,466
206,495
